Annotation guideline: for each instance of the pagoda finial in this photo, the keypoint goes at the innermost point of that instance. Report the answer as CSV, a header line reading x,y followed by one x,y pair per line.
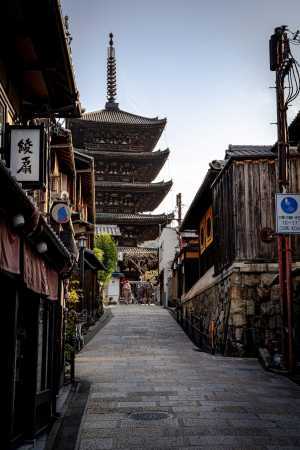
x,y
111,75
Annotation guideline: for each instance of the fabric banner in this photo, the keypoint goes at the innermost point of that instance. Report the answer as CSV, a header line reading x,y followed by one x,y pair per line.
x,y
52,277
38,276
9,249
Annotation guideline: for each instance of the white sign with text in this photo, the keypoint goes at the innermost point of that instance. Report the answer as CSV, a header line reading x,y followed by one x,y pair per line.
x,y
288,213
25,154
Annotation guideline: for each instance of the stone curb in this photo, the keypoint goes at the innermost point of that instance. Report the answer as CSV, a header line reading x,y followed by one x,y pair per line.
x,y
57,426
54,430
104,319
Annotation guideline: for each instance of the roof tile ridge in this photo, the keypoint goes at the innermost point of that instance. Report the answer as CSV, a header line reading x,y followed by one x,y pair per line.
x,y
142,117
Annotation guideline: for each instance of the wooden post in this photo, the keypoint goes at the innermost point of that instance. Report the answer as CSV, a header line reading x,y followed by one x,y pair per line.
x,y
279,45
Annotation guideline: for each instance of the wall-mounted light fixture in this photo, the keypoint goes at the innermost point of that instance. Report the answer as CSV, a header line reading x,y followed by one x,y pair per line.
x,y
18,221
42,247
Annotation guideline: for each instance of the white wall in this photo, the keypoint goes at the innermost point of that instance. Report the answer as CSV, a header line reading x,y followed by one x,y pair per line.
x,y
168,244
113,289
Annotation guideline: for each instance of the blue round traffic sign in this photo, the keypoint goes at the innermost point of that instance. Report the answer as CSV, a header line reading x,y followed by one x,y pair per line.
x,y
289,205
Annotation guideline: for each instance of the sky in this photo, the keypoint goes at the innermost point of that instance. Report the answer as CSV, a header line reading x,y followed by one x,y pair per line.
x,y
202,64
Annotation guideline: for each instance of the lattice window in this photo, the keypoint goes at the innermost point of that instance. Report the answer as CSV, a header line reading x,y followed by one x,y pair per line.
x,y
55,184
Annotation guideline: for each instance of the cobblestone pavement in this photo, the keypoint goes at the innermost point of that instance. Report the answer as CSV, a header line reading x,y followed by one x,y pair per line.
x,y
142,361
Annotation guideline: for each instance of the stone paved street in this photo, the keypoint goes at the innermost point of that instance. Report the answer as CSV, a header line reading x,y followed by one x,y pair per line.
x,y
142,361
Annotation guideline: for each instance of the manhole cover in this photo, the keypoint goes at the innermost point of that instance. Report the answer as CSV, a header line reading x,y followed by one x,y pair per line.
x,y
149,415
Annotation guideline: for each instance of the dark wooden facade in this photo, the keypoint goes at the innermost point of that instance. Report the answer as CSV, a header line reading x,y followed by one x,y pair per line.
x,y
244,206
237,294
36,81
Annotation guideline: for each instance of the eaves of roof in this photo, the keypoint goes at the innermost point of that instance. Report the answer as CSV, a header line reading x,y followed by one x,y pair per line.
x,y
127,156
206,184
245,152
142,219
92,261
36,227
134,187
117,116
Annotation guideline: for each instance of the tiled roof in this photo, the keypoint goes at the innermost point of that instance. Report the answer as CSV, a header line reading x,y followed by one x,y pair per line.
x,y
119,116
248,151
191,218
134,187
128,156
113,230
137,250
133,218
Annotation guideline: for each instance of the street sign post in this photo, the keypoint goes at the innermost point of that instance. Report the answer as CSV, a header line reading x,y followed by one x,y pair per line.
x,y
288,213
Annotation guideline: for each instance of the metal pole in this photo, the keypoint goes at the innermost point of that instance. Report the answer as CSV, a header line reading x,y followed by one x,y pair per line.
x,y
82,274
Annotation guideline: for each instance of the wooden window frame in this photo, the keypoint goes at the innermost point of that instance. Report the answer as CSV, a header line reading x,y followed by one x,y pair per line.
x,y
208,239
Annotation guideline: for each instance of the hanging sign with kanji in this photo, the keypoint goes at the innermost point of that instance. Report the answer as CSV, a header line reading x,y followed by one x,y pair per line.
x,y
27,155
288,213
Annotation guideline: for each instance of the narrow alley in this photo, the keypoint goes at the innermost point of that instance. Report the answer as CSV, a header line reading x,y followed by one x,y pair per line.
x,y
150,387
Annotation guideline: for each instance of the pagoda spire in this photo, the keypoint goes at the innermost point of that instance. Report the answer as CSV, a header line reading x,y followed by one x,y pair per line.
x,y
111,76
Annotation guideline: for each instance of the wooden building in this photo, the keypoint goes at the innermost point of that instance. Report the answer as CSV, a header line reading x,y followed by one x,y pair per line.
x,y
234,307
122,145
185,266
83,219
36,82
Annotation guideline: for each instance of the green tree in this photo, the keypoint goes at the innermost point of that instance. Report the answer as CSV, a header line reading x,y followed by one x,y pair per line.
x,y
106,251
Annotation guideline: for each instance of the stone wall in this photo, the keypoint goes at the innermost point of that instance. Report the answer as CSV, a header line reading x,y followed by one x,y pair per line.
x,y
245,308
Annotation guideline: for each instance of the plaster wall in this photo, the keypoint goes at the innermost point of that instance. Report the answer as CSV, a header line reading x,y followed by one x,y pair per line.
x,y
168,244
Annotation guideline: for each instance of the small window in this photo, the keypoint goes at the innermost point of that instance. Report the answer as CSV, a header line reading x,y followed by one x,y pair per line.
x,y
206,230
209,227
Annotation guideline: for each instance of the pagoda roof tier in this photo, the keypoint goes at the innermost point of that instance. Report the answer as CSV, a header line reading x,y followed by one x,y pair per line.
x,y
136,228
128,167
134,187
117,116
128,156
114,136
134,219
113,196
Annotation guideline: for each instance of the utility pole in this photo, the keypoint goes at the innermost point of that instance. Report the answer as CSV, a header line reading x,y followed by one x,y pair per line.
x,y
281,62
179,208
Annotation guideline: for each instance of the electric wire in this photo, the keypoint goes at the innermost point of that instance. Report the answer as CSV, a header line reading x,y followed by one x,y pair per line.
x,y
290,70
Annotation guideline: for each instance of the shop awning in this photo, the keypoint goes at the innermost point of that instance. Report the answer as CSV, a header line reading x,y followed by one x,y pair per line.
x,y
9,249
38,276
91,261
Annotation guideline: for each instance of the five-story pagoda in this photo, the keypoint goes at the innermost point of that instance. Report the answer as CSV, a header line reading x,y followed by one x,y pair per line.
x,y
126,164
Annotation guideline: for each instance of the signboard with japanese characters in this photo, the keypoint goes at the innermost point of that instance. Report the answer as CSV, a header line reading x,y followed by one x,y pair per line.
x,y
288,213
26,155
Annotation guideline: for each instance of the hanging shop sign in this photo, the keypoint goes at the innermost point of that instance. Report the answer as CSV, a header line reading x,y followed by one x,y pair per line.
x,y
288,213
27,155
60,212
